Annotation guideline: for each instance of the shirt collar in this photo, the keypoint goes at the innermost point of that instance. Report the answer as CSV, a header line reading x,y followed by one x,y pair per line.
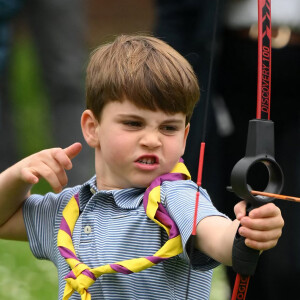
x,y
129,198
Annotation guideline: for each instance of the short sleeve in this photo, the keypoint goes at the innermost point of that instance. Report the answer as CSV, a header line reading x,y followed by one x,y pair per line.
x,y
41,216
179,199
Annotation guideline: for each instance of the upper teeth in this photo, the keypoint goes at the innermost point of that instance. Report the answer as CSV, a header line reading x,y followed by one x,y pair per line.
x,y
147,161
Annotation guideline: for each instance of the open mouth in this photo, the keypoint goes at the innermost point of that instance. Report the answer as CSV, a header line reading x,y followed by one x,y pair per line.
x,y
148,160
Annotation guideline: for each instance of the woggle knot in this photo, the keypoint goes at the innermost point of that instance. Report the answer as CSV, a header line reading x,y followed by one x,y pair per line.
x,y
79,280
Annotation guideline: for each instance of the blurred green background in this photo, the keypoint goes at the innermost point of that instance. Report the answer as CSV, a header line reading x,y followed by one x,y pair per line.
x,y
22,276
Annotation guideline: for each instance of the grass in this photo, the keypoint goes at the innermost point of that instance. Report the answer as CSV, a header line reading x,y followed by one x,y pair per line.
x,y
21,275
24,277
220,289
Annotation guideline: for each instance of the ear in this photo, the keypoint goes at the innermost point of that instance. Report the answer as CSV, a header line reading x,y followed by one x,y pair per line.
x,y
186,133
89,126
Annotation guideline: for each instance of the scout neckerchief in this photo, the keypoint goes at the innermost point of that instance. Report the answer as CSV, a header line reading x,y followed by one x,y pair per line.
x,y
81,277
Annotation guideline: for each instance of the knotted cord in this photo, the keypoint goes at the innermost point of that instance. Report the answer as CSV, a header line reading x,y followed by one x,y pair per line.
x,y
81,277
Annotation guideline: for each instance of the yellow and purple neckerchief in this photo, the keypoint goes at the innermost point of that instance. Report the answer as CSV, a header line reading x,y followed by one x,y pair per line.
x,y
81,277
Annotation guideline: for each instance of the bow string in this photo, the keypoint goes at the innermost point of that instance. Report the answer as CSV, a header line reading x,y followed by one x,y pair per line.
x,y
202,146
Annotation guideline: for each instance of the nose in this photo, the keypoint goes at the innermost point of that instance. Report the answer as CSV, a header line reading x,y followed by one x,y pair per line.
x,y
151,139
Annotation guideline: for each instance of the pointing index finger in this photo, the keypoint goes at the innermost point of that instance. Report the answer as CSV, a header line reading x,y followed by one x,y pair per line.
x,y
73,150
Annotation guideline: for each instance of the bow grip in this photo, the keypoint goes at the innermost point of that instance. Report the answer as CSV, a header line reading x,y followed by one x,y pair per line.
x,y
244,259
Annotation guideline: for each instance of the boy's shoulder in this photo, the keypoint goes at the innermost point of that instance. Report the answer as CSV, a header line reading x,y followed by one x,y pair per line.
x,y
182,189
181,186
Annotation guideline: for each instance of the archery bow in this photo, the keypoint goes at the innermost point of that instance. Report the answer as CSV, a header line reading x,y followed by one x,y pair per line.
x,y
259,149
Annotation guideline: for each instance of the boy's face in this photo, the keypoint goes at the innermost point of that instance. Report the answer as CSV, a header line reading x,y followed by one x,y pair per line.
x,y
134,146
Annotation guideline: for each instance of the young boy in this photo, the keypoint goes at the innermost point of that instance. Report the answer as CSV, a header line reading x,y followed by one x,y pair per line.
x,y
140,97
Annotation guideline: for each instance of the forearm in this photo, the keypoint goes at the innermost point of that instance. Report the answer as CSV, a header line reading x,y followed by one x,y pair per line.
x,y
13,192
261,230
215,237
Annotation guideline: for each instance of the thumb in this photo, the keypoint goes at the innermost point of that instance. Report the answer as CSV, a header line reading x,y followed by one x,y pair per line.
x,y
73,150
240,209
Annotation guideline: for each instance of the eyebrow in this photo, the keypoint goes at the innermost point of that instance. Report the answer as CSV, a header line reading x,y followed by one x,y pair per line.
x,y
174,121
137,117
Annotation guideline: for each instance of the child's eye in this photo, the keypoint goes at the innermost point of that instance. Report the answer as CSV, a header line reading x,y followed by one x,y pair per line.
x,y
169,128
133,124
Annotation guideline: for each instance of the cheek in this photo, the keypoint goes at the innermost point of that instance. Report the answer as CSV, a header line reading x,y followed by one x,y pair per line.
x,y
116,147
176,147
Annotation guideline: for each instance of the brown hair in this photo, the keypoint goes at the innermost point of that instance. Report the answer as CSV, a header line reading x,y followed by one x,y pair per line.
x,y
144,70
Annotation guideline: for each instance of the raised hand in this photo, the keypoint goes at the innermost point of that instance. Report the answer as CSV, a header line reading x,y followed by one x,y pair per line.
x,y
50,164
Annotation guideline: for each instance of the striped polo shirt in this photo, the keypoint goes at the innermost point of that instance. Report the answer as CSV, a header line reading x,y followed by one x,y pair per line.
x,y
112,227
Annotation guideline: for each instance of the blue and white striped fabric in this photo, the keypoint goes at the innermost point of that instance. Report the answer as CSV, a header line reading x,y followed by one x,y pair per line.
x,y
113,227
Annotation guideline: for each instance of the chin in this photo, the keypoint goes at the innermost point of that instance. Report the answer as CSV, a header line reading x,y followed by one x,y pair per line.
x,y
141,181
142,184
